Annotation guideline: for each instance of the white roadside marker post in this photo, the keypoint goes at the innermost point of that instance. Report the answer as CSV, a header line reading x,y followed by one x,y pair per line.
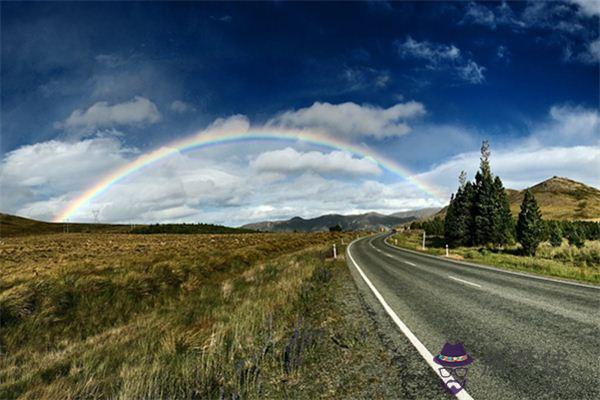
x,y
423,240
334,252
446,250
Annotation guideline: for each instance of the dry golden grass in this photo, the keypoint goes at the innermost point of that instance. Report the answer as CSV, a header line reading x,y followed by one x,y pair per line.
x,y
158,316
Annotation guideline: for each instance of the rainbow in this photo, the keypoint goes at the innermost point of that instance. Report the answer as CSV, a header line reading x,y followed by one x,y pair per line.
x,y
206,139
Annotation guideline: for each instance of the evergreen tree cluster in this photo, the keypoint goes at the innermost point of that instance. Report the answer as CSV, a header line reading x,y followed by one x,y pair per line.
x,y
479,213
432,227
576,232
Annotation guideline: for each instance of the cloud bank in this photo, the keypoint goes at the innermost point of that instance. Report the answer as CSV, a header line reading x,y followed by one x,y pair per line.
x,y
245,182
351,120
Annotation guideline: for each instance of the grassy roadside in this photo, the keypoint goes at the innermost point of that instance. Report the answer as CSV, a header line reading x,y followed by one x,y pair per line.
x,y
189,318
567,262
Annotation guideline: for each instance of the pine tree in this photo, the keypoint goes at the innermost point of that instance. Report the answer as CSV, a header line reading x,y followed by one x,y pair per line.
x,y
467,221
457,226
529,224
450,231
556,234
503,224
484,199
575,237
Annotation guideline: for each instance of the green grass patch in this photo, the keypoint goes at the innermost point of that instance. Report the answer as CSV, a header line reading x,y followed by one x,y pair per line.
x,y
569,262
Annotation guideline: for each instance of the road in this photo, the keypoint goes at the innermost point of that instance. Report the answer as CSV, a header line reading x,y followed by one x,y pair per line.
x,y
530,338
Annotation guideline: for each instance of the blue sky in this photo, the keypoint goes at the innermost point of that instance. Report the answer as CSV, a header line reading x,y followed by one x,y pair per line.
x,y
88,87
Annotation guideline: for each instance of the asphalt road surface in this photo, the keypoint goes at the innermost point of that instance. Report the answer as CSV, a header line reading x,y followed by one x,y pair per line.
x,y
530,338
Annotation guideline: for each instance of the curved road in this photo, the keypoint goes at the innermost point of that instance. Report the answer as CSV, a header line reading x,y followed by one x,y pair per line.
x,y
530,338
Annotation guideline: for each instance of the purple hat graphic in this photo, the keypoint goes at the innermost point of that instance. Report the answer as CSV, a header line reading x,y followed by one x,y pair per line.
x,y
453,355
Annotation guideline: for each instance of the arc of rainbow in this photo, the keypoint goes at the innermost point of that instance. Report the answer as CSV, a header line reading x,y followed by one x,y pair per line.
x,y
211,139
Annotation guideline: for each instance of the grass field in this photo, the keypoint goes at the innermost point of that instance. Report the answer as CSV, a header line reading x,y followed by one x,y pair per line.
x,y
182,316
565,261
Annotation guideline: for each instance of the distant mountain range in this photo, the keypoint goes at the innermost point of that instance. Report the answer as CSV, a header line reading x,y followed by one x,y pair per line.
x,y
558,199
368,221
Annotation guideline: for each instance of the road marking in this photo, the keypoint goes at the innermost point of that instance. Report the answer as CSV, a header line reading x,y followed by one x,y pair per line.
x,y
463,281
426,354
409,263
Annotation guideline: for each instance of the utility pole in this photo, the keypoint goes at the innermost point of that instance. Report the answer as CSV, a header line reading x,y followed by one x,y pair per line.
x,y
95,213
423,240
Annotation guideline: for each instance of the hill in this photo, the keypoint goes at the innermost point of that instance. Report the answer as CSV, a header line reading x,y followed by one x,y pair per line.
x,y
368,221
11,225
561,199
558,199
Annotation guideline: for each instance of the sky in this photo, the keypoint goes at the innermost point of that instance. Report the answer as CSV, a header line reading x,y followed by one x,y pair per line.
x,y
88,88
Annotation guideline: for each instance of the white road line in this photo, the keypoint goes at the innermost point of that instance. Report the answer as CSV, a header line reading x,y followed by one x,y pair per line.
x,y
409,263
426,354
463,281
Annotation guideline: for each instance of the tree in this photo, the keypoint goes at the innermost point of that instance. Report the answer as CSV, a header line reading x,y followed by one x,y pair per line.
x,y
529,224
484,199
556,234
457,226
335,228
503,224
450,230
575,237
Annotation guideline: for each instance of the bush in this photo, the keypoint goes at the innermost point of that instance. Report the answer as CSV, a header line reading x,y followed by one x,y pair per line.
x,y
575,238
556,235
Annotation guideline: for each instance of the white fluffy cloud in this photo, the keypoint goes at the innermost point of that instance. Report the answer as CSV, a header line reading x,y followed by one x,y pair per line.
x,y
37,180
441,57
138,111
568,125
246,182
352,120
289,160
